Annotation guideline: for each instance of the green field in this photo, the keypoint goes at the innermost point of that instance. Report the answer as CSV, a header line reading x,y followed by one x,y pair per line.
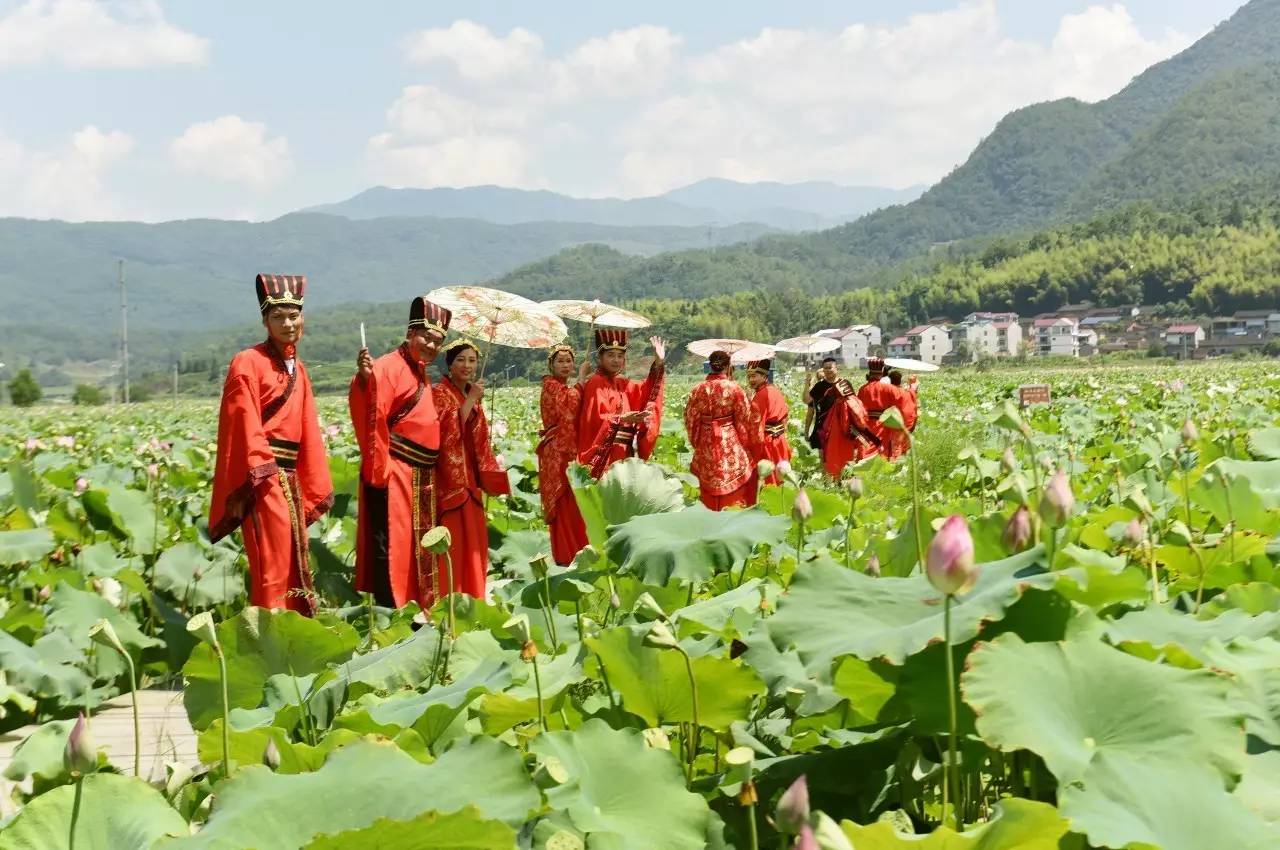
x,y
1114,679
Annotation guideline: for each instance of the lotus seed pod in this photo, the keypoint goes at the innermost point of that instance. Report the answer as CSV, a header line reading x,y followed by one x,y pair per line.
x,y
437,541
1058,501
103,633
647,604
792,812
80,756
949,562
201,625
540,563
660,636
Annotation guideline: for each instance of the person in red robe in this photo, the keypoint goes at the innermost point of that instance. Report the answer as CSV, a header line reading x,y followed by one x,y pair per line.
x,y
771,414
396,426
879,394
720,426
619,417
466,471
557,447
847,433
271,475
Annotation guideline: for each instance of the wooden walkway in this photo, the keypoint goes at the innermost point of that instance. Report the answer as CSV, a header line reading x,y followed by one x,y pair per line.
x,y
166,736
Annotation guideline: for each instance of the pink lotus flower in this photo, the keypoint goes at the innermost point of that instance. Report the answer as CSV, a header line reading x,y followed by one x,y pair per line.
x,y
32,444
949,562
65,442
1177,385
333,430
793,807
1057,502
82,484
807,840
153,471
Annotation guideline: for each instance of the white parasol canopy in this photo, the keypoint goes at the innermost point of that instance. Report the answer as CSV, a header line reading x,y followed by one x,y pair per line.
x,y
739,350
499,317
810,344
597,313
909,365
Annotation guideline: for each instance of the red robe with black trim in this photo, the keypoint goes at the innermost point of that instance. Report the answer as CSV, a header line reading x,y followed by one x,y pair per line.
x,y
558,446
271,474
879,396
719,423
467,470
771,412
602,439
393,408
847,435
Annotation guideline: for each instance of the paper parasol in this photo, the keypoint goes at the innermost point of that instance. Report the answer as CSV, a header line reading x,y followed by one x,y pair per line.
x,y
908,364
496,316
597,313
811,344
739,350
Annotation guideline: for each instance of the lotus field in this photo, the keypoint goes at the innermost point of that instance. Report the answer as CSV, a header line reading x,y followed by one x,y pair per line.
x,y
1106,674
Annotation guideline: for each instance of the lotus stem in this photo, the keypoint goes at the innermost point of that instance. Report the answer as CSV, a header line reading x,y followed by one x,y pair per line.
x,y
577,615
537,684
949,767
695,737
448,567
547,612
752,834
137,726
305,718
915,504
1151,564
226,711
75,812
847,529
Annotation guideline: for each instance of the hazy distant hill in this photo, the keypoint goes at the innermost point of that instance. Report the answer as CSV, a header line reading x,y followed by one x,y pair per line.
x,y
787,206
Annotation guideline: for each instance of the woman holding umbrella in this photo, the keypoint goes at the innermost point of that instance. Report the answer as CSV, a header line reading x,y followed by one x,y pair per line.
x,y
559,445
465,471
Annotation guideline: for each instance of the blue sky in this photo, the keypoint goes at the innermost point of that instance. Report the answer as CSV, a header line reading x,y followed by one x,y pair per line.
x,y
191,108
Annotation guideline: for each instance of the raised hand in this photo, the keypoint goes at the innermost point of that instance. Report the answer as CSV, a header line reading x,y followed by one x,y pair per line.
x,y
659,348
364,364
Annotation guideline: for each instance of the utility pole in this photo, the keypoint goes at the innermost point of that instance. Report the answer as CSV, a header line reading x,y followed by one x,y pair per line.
x,y
124,331
175,382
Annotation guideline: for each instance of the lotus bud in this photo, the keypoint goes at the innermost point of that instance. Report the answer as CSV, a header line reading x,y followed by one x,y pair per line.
x,y
102,632
615,601
1009,460
271,755
792,812
855,487
80,756
1058,501
1019,531
660,636
807,840
650,606
829,834
873,565
892,418
541,564
45,593
153,471
82,484
1134,533
437,541
949,561
765,468
784,467
201,625
1190,433
802,508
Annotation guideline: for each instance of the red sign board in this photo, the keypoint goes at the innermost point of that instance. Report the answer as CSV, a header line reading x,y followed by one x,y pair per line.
x,y
1033,394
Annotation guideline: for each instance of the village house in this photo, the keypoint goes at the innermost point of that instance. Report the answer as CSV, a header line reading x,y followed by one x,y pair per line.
x,y
929,343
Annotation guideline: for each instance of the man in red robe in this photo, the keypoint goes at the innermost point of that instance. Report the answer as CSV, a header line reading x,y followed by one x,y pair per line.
x,y
619,418
879,394
271,475
719,423
771,414
399,434
847,434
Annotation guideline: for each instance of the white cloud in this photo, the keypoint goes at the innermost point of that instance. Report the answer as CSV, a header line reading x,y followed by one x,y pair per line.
x,y
635,112
233,150
93,34
66,182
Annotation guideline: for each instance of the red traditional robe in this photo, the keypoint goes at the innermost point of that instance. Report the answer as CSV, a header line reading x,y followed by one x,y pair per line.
x,y
719,423
847,435
466,471
559,446
879,396
602,439
271,475
771,420
395,423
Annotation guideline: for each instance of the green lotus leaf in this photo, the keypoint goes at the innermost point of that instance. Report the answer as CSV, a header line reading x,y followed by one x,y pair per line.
x,y
1255,669
101,559
1265,443
189,574
40,755
25,546
654,683
620,793
517,548
73,612
24,490
829,611
1164,628
129,514
258,644
1015,825
51,667
12,696
116,813
404,664
1241,491
462,830
1255,597
827,505
785,675
691,545
630,488
1130,742
1259,790
23,620
358,785
248,746
730,614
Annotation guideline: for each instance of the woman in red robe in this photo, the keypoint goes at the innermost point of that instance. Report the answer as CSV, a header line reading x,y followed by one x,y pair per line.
x,y
619,418
559,446
396,425
847,431
719,423
467,469
271,475
771,414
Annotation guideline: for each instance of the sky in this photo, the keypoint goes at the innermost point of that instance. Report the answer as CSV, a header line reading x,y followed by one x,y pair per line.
x,y
148,110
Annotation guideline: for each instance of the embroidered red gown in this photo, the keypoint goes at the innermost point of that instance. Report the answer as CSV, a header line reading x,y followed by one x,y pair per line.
x,y
770,410
395,422
271,462
879,396
602,439
847,435
467,469
719,423
559,446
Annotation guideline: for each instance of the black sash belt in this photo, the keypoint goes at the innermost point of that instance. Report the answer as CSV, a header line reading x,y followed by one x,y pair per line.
x,y
775,429
624,434
413,454
712,420
285,451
